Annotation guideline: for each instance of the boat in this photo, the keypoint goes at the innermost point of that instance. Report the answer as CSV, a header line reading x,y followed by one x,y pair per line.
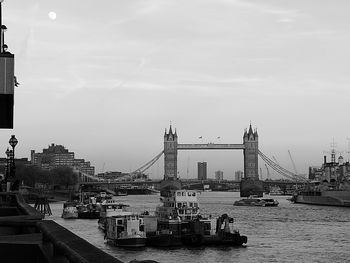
x,y
330,185
70,210
178,222
252,201
111,207
90,210
210,231
270,202
125,231
316,194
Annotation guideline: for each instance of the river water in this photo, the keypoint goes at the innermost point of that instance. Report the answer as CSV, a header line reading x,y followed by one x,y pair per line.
x,y
287,233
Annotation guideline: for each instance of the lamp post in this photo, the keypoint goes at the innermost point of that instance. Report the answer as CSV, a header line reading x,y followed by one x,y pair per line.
x,y
13,142
8,152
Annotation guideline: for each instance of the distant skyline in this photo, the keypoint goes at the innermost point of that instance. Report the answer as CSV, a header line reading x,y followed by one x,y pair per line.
x,y
105,79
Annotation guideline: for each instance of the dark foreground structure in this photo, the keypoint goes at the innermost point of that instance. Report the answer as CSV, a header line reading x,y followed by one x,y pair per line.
x,y
26,237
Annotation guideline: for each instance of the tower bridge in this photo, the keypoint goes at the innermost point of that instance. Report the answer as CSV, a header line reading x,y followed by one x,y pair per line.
x,y
249,185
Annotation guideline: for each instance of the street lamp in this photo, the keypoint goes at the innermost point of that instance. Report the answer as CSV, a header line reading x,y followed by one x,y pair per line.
x,y
13,142
8,152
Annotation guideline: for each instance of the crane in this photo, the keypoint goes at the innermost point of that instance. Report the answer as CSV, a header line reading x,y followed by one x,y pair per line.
x,y
294,167
267,172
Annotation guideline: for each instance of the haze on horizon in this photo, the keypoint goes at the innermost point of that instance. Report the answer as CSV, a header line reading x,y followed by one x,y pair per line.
x,y
105,79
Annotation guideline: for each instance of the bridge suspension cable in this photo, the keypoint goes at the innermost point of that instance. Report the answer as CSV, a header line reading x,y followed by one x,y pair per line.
x,y
279,169
147,165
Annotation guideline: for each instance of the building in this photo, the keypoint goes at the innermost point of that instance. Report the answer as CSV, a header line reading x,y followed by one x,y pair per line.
x,y
219,175
202,170
332,171
238,175
57,156
251,149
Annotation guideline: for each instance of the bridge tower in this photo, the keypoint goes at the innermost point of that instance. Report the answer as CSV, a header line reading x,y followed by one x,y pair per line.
x,y
250,184
250,153
170,155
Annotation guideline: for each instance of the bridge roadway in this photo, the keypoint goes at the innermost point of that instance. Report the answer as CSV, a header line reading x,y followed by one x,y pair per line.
x,y
187,183
214,146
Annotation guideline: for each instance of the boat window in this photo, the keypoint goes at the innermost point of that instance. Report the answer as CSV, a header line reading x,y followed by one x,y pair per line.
x,y
193,194
120,222
191,204
178,204
189,194
178,193
183,193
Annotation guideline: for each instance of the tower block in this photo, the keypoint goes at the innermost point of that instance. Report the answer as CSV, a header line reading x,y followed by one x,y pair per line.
x,y
170,163
250,184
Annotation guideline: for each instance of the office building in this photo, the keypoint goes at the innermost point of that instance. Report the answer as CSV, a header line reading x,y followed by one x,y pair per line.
x,y
57,156
238,175
202,170
219,175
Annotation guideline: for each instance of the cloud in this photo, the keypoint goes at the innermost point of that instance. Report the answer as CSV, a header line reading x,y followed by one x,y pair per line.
x,y
286,20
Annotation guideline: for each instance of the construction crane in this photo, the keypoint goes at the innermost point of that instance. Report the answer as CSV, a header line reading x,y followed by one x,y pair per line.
x,y
267,172
294,167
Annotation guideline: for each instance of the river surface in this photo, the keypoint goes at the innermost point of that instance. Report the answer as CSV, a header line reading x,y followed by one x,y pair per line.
x,y
287,233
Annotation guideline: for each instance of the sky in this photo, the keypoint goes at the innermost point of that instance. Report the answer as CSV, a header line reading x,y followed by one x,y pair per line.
x,y
105,78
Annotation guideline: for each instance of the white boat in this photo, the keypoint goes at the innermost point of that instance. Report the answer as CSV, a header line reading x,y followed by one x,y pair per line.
x,y
125,231
111,207
179,204
70,211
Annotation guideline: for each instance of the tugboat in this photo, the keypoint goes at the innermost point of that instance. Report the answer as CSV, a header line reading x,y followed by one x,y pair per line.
x,y
126,230
179,222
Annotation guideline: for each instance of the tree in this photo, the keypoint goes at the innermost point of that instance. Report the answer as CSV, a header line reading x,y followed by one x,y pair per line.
x,y
63,176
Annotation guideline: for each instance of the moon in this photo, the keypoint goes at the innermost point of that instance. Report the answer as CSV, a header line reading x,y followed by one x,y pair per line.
x,y
52,15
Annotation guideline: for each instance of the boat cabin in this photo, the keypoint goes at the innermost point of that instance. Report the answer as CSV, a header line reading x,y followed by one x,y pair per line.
x,y
179,204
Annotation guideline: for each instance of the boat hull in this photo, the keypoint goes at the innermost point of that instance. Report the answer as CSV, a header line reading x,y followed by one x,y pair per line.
x,y
69,215
89,215
321,200
228,239
164,240
130,242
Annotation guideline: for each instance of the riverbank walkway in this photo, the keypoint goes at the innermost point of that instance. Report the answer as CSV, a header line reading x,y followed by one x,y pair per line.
x,y
26,237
